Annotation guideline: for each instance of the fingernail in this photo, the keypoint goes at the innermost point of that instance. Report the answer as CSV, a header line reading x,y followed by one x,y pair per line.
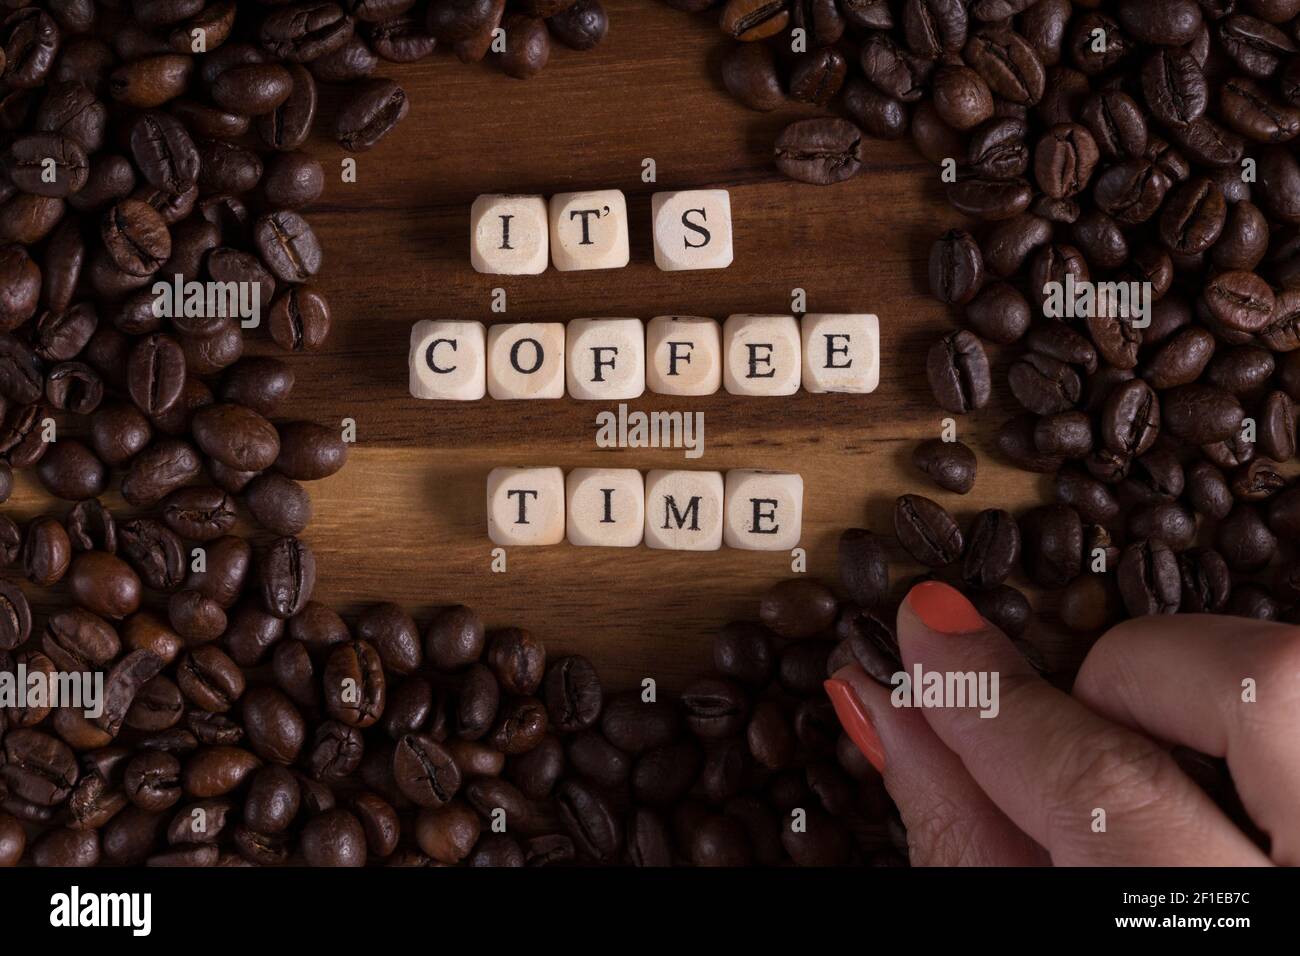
x,y
853,718
944,609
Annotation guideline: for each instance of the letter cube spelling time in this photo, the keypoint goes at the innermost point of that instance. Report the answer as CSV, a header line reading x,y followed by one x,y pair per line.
x,y
605,507
764,510
589,230
683,510
692,229
525,506
509,235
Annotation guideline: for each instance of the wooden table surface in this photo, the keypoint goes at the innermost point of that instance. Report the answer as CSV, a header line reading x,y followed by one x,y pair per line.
x,y
405,520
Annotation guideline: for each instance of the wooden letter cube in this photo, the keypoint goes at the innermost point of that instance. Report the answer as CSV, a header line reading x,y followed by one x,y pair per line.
x,y
509,235
692,229
606,358
684,355
683,510
526,360
841,353
764,510
761,355
525,506
605,507
589,230
448,360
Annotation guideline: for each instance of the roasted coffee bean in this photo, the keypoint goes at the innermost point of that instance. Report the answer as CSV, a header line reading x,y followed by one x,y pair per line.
x,y
926,531
1064,160
424,770
454,639
308,451
1052,545
589,820
950,465
198,513
47,551
992,549
750,20
1244,540
956,267
819,151
958,371
71,471
864,573
998,313
518,659
797,608
520,725
15,616
635,726
210,679
334,838
1201,414
990,200
1005,607
1149,578
1012,241
1043,384
750,75
1130,421
1240,303
573,694
371,111
158,470
354,684
1277,427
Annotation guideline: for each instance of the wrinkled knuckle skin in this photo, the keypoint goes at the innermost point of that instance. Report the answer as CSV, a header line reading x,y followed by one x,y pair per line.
x,y
1111,769
945,835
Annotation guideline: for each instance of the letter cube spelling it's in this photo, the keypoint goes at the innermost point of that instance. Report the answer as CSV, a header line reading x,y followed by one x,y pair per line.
x,y
764,510
683,355
525,506
448,360
692,229
509,235
606,358
589,230
683,510
605,507
841,353
761,355
526,360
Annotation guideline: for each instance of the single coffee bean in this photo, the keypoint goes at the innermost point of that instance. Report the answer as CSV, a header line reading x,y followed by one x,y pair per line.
x,y
819,151
956,267
371,111
950,465
797,608
958,371
992,549
926,531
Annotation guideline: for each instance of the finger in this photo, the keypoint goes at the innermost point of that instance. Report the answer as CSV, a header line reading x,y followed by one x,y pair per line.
x,y
1224,686
1091,792
950,821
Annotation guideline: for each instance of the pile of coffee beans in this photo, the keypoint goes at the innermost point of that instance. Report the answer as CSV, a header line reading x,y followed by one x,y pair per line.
x,y
140,142
252,725
1148,143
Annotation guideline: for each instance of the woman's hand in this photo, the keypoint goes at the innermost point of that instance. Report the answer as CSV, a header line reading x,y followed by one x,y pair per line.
x,y
1087,779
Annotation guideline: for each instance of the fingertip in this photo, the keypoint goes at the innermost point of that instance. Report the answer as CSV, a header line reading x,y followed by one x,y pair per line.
x,y
943,609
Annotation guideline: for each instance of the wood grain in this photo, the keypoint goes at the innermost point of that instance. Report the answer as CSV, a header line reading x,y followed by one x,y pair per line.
x,y
405,520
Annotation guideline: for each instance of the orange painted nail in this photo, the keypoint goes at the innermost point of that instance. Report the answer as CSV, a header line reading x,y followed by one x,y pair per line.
x,y
944,609
853,718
